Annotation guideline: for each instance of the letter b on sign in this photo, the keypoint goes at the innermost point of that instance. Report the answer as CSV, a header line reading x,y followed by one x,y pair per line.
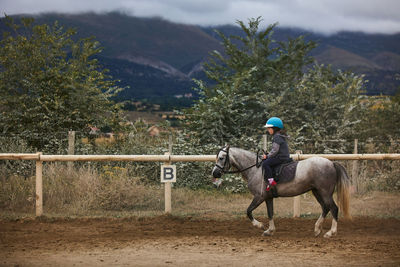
x,y
168,173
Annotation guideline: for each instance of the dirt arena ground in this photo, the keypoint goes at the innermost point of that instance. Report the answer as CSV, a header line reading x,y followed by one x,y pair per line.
x,y
185,241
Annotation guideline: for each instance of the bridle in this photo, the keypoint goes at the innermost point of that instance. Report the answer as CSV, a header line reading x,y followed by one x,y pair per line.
x,y
227,164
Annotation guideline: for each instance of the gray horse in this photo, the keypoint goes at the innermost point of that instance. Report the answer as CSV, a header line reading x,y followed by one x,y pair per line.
x,y
317,174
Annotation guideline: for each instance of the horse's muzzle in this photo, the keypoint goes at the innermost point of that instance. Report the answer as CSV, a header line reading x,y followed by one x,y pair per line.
x,y
216,172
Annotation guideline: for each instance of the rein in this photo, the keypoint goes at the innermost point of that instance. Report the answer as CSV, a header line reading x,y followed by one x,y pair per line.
x,y
227,163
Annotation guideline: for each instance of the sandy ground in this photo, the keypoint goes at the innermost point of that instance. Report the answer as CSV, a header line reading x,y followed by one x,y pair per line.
x,y
185,241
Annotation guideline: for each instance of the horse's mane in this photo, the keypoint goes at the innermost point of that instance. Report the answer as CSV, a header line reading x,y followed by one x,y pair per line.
x,y
245,154
244,159
243,151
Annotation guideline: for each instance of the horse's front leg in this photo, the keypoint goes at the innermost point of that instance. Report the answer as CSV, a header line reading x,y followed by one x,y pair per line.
x,y
257,200
270,207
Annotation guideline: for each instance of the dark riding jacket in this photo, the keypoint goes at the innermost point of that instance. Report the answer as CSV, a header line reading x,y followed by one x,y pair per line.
x,y
280,148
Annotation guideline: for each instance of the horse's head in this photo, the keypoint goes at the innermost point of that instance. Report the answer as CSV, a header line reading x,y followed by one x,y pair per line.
x,y
222,163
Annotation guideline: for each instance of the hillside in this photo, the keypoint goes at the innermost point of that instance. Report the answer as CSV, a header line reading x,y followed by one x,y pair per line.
x,y
377,56
343,59
157,59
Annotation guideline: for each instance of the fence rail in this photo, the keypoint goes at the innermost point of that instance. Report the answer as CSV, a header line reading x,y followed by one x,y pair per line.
x,y
179,158
40,158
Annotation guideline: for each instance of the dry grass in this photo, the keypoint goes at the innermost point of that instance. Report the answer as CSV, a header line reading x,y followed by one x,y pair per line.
x,y
86,192
377,204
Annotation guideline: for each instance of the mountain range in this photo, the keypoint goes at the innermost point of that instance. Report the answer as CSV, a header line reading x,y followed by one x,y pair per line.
x,y
158,59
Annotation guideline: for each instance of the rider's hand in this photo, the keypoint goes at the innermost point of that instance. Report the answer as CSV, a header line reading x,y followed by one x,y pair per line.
x,y
265,156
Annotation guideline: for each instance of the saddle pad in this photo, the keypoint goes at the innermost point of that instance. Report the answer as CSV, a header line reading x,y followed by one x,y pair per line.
x,y
285,172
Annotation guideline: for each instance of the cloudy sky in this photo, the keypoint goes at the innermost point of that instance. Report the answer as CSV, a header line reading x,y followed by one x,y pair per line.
x,y
327,16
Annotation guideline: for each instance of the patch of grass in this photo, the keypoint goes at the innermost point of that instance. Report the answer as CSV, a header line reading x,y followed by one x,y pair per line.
x,y
114,192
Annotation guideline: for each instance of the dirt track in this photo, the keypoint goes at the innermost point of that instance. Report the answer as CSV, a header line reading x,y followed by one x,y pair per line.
x,y
174,241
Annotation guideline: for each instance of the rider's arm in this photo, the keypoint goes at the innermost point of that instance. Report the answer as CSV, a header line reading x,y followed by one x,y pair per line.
x,y
274,150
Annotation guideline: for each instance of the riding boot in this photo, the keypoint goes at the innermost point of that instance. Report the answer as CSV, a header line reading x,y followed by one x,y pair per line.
x,y
270,183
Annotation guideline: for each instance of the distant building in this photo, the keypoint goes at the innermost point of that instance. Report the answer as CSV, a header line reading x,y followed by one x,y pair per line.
x,y
154,130
93,130
187,95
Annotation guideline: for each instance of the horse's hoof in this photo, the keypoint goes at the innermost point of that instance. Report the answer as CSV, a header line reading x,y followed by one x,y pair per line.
x,y
329,234
258,224
317,233
268,233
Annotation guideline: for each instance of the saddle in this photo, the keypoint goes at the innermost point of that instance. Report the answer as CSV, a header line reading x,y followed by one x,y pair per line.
x,y
285,172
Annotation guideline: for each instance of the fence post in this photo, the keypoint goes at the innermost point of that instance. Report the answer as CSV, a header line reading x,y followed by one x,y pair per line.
x,y
296,199
71,148
168,185
264,138
354,171
39,186
265,142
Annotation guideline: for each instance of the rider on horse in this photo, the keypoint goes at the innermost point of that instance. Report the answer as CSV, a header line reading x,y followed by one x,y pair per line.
x,y
279,152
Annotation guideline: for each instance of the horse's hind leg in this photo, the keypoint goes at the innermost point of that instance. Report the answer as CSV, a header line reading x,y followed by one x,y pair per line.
x,y
325,210
327,204
257,200
334,211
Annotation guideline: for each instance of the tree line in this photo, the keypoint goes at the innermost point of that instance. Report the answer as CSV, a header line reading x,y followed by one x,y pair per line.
x,y
51,82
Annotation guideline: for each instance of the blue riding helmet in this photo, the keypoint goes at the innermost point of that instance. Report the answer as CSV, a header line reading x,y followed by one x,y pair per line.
x,y
274,122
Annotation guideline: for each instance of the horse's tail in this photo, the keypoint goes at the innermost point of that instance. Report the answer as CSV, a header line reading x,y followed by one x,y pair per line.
x,y
343,189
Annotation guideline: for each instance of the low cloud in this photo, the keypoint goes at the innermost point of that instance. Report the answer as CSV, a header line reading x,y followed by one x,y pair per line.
x,y
326,16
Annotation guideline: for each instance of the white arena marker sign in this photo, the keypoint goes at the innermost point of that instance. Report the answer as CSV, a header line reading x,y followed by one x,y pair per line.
x,y
168,173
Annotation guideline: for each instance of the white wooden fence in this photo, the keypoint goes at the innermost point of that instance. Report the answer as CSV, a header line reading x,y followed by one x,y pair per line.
x,y
40,158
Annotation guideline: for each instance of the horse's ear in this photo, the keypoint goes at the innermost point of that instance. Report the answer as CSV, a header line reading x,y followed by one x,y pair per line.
x,y
227,147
